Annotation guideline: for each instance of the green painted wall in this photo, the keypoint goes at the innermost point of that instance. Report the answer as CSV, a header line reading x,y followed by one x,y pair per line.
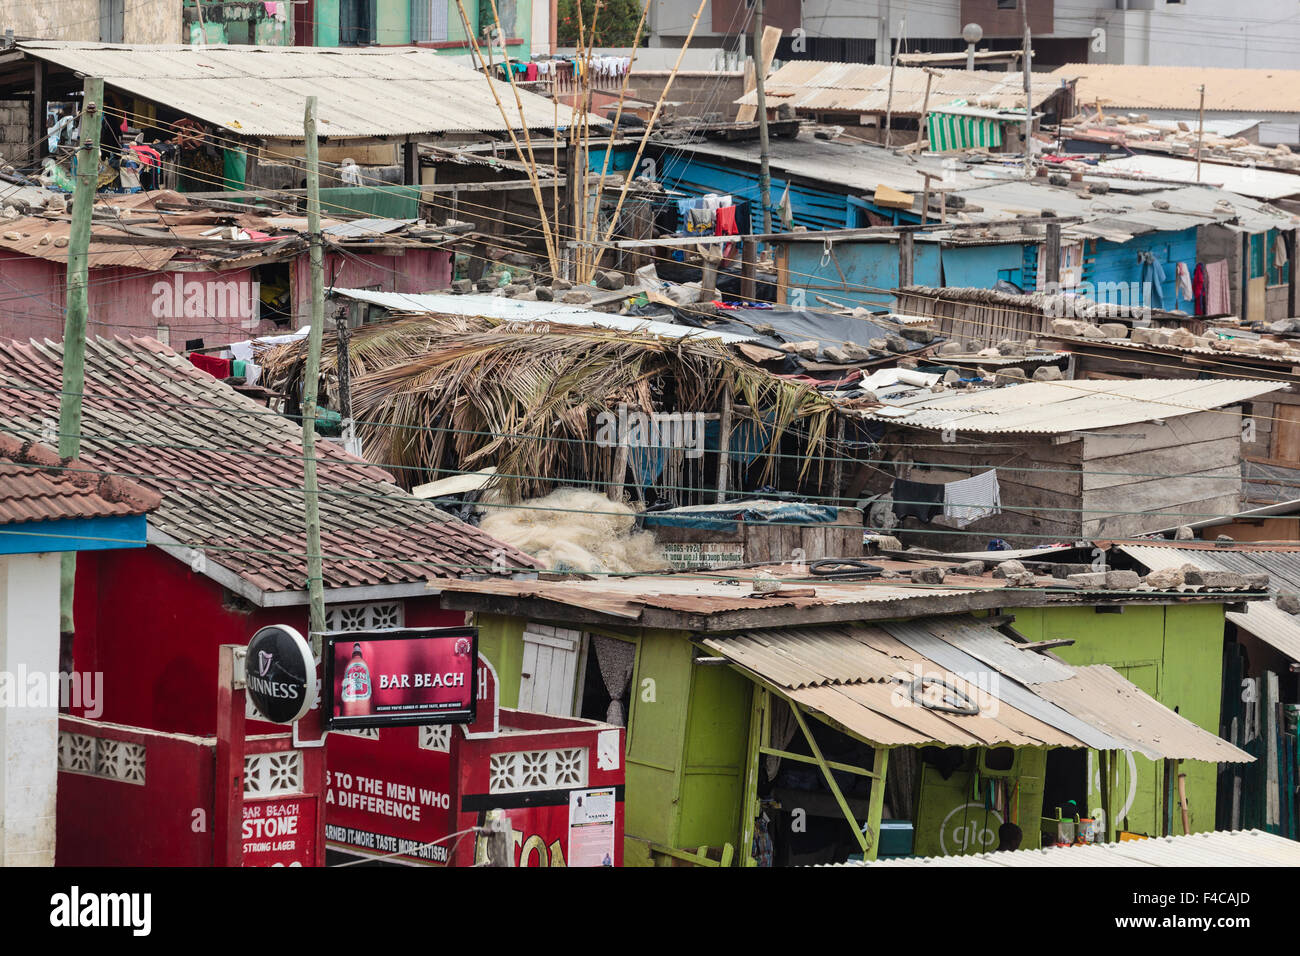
x,y
951,819
327,22
523,27
393,22
1173,653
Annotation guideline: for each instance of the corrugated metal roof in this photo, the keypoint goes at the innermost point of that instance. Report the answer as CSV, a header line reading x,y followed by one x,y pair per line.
x,y
1234,848
1062,407
1264,619
1106,700
1246,180
36,485
860,88
261,91
1136,87
1272,625
857,676
997,195
525,310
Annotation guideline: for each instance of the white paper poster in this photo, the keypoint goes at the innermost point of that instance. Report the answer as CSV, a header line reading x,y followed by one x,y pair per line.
x,y
591,826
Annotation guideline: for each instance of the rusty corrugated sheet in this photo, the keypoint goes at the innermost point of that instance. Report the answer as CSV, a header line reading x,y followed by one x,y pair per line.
x,y
1134,86
860,88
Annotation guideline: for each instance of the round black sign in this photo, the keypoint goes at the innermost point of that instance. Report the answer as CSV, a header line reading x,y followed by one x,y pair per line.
x,y
280,674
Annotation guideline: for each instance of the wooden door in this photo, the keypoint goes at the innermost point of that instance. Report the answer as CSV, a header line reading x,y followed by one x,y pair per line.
x,y
549,670
1286,433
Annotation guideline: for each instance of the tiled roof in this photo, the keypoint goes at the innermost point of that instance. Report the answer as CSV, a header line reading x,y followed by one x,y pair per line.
x,y
230,473
36,485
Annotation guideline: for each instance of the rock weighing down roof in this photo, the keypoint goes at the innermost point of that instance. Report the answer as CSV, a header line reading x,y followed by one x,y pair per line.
x,y
230,476
36,485
261,91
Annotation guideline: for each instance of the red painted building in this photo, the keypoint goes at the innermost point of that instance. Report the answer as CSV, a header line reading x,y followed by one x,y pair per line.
x,y
226,556
191,273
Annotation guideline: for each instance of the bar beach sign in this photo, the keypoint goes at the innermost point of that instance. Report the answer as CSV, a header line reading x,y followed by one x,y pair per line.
x,y
400,676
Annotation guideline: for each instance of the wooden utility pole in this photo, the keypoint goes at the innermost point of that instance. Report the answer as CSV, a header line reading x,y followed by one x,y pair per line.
x,y
764,169
1051,267
311,381
925,108
1200,135
74,323
889,97
1029,99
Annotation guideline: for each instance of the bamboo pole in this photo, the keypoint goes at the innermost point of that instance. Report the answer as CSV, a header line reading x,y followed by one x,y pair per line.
x,y
505,119
551,242
594,224
622,94
636,160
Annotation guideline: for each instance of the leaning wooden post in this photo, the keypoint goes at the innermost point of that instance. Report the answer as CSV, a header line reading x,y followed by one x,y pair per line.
x,y
74,324
311,491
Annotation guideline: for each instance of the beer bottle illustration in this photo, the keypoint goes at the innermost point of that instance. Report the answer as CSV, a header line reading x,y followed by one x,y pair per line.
x,y
355,693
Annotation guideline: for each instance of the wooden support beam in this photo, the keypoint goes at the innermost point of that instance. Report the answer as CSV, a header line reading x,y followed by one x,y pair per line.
x,y
876,801
830,777
757,735
906,258
1050,267
749,269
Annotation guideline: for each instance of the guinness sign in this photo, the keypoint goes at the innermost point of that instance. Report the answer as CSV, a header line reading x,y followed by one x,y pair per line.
x,y
280,674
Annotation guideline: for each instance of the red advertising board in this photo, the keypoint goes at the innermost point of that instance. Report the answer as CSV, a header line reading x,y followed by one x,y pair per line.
x,y
280,831
394,791
401,676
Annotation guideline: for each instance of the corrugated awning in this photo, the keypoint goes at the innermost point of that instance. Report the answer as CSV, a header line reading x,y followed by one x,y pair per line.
x,y
956,131
881,683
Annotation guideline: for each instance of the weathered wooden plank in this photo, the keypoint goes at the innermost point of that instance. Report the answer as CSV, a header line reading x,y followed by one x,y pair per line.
x,y
1121,470
1174,432
1114,526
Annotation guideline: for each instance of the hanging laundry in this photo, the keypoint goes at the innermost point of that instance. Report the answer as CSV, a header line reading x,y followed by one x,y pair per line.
x,y
214,366
699,220
1218,297
919,499
724,224
1279,252
970,499
530,73
1200,280
1153,277
1183,283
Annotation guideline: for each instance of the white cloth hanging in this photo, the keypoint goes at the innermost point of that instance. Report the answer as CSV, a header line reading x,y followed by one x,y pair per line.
x,y
970,499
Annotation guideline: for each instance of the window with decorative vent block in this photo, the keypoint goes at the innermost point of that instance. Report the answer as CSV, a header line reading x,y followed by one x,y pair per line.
x,y
365,617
